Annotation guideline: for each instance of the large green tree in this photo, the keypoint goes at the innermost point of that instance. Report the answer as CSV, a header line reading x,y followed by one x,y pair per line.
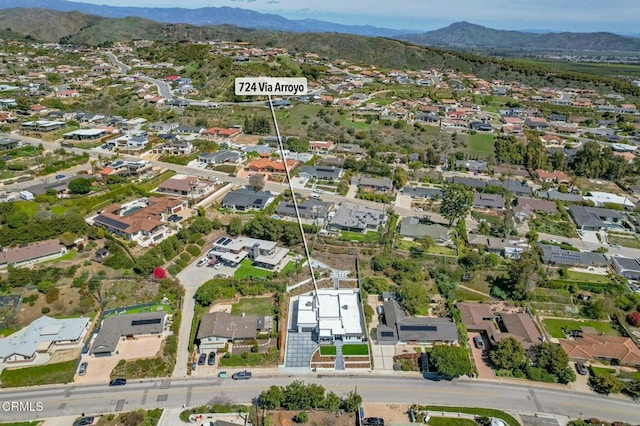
x,y
552,358
450,361
456,202
272,398
80,186
508,354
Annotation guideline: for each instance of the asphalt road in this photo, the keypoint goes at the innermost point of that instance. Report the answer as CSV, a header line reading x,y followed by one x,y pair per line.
x,y
163,393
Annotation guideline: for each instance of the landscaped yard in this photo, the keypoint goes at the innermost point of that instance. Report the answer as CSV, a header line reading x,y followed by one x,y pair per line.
x,y
556,224
406,245
481,144
250,359
326,350
449,421
140,309
253,306
472,296
487,412
368,237
246,270
61,372
67,256
362,349
624,241
446,251
289,268
555,326
586,277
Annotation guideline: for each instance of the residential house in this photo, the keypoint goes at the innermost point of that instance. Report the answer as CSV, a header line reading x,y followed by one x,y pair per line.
x,y
9,143
161,127
382,184
605,198
514,186
331,314
468,182
505,247
593,346
174,148
627,267
31,253
313,209
349,148
411,227
216,329
556,195
472,165
556,176
224,134
554,255
595,218
42,126
264,254
141,220
126,168
422,192
322,173
526,207
128,326
188,186
357,218
246,199
85,134
487,319
44,335
321,147
189,130
398,328
221,157
488,201
267,165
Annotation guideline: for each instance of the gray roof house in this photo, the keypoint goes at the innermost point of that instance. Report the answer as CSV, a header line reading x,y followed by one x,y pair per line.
x,y
626,267
555,195
41,336
422,192
595,218
356,218
468,182
488,201
505,247
555,255
472,165
526,207
410,227
309,209
117,326
218,328
402,329
377,184
329,173
245,199
220,157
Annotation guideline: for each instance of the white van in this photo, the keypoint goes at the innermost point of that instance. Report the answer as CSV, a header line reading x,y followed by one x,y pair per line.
x,y
315,195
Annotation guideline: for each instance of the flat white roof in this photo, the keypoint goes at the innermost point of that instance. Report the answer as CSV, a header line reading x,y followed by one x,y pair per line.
x,y
607,197
339,312
242,242
275,258
86,132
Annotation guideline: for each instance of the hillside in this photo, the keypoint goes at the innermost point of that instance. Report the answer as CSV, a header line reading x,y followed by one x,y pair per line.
x,y
204,16
465,34
43,24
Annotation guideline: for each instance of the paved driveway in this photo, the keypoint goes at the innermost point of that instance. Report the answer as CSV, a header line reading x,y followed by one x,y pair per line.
x,y
300,347
481,358
99,369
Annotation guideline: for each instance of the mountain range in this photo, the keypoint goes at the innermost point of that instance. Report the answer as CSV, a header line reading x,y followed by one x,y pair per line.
x,y
205,16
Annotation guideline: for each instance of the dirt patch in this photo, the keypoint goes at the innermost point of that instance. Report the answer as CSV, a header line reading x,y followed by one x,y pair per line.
x,y
355,365
319,418
220,307
67,305
389,412
64,355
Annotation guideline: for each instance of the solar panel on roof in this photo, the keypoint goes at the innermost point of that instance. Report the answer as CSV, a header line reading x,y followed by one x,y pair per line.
x,y
146,321
418,328
220,240
226,241
386,334
111,222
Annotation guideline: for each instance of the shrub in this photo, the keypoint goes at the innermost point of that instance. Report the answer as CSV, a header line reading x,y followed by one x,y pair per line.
x,y
185,257
193,250
634,319
301,418
45,310
52,295
540,375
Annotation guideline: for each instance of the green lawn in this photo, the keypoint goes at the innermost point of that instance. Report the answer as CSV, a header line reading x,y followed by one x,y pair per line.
x,y
289,268
405,245
481,144
326,350
250,359
47,374
487,412
253,306
67,256
246,270
368,237
554,326
447,251
624,241
59,209
141,309
463,294
362,349
586,277
450,421
20,424
601,371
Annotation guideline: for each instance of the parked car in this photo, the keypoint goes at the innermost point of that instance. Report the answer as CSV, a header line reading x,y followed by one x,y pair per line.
x,y
380,310
174,218
478,342
582,369
217,266
222,374
373,421
83,369
241,375
118,382
202,262
202,359
212,358
84,421
193,366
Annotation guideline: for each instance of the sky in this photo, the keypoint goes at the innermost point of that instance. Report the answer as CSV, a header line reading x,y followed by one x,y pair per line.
x,y
619,16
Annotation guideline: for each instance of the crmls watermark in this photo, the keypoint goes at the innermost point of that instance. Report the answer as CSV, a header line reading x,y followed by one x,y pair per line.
x,y
21,406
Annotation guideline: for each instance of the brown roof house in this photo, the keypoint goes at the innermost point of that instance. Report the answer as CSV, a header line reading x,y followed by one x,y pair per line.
x,y
590,346
526,207
31,253
218,328
484,317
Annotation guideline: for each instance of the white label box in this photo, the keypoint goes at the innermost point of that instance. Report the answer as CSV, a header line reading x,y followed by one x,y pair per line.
x,y
275,86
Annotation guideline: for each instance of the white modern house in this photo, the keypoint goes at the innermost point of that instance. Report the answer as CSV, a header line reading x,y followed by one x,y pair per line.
x,y
332,314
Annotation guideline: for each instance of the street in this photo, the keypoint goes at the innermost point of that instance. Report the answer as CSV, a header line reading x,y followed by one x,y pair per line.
x,y
163,393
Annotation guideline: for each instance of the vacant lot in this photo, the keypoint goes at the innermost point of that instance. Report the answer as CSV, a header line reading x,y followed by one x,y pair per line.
x,y
61,372
253,306
555,326
481,144
624,241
